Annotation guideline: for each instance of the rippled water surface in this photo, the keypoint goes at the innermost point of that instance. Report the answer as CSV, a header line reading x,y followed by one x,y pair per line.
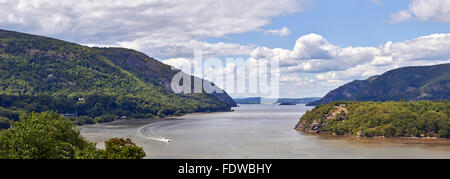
x,y
256,132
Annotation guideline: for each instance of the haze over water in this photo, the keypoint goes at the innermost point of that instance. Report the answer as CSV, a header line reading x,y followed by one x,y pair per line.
x,y
255,132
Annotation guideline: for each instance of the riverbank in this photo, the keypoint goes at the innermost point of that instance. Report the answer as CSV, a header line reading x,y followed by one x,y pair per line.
x,y
349,136
156,118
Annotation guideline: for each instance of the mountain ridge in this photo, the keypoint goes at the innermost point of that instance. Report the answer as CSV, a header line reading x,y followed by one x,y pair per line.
x,y
35,67
406,83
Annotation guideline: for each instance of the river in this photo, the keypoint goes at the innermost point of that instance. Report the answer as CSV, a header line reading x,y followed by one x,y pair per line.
x,y
255,132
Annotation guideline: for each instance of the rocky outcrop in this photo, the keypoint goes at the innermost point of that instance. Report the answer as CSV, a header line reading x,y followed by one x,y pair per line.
x,y
316,125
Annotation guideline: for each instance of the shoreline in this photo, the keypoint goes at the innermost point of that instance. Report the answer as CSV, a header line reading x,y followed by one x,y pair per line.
x,y
375,137
155,119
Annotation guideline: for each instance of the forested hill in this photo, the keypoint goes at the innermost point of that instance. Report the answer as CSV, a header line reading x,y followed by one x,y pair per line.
x,y
376,119
39,74
408,83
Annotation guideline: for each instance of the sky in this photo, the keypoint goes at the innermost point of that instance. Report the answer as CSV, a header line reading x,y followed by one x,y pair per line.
x,y
319,44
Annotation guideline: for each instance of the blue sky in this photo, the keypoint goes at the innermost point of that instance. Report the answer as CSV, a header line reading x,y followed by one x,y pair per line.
x,y
319,44
342,22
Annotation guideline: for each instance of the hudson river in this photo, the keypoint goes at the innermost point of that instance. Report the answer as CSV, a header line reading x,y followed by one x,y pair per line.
x,y
255,132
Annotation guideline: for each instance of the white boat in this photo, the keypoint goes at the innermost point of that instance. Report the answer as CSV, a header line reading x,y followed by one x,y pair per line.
x,y
167,140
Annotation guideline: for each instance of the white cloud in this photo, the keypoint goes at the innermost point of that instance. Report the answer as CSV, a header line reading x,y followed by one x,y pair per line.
x,y
424,10
315,66
174,48
178,63
313,53
162,28
313,46
431,47
281,32
315,63
401,16
431,10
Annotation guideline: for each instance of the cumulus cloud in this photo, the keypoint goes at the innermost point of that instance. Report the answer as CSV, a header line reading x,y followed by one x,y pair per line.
x,y
424,10
174,48
162,28
313,53
280,32
433,10
315,63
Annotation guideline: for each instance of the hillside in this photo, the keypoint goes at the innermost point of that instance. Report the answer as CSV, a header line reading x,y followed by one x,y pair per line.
x,y
96,84
373,119
408,83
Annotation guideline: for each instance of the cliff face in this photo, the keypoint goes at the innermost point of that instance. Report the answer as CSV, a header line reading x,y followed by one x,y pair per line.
x,y
317,123
408,83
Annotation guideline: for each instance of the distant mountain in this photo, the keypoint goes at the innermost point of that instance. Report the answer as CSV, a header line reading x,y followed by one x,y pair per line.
x,y
259,100
253,100
40,73
297,100
345,92
408,83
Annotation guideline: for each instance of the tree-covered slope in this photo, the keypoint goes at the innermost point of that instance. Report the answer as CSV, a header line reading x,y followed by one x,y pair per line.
x,y
408,83
40,73
372,119
345,92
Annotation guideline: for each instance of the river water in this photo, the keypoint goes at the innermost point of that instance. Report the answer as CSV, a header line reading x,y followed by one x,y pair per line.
x,y
255,132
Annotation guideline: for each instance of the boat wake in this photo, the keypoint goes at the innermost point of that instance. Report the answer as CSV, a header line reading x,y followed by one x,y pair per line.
x,y
146,132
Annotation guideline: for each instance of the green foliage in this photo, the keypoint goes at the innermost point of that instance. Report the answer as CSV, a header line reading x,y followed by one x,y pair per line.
x,y
402,84
389,119
41,136
117,148
41,74
50,136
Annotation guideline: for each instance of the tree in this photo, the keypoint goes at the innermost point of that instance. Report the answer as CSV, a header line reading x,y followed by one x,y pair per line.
x,y
118,148
48,135
41,136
